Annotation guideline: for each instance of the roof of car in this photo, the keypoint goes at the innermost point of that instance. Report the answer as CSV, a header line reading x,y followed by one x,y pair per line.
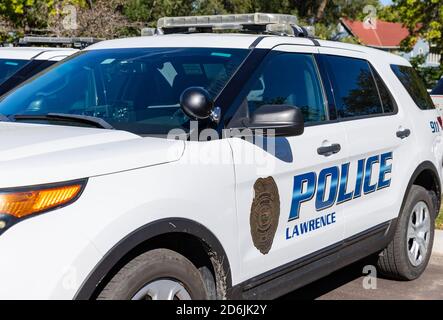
x,y
236,41
27,53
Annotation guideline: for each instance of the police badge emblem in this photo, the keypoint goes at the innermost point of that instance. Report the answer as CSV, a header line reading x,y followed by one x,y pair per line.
x,y
265,213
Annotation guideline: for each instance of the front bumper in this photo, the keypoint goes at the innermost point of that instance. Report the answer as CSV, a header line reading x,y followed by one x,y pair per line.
x,y
44,258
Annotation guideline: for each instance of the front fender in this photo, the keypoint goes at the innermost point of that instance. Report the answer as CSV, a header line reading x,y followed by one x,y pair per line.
x,y
144,234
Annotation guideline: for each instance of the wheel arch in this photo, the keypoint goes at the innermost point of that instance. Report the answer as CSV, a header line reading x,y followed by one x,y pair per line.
x,y
187,237
425,175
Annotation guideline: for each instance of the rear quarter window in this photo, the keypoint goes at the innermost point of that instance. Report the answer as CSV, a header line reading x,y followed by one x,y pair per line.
x,y
414,85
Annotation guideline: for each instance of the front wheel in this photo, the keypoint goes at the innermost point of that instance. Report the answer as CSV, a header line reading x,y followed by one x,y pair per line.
x,y
408,254
160,274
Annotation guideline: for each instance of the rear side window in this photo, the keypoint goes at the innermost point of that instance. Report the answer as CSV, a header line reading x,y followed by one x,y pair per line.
x,y
438,90
414,85
354,86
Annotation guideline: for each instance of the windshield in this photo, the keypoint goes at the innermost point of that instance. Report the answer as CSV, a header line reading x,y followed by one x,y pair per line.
x,y
8,67
137,90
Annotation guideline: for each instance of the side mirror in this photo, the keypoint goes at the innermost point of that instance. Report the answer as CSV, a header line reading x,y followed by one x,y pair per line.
x,y
197,104
284,119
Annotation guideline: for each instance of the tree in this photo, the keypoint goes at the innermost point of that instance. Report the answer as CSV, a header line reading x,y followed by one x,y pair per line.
x,y
25,13
149,11
32,14
424,19
99,19
328,11
96,18
325,15
128,16
430,76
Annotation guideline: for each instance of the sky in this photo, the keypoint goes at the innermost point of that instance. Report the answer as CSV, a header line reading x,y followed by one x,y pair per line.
x,y
385,2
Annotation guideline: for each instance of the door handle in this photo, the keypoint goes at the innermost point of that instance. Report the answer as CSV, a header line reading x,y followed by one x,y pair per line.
x,y
402,134
329,150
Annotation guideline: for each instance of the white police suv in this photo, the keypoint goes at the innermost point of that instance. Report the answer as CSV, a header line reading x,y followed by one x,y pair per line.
x,y
17,64
204,166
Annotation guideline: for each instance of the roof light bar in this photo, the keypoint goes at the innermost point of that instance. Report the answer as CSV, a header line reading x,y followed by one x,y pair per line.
x,y
227,20
80,42
268,23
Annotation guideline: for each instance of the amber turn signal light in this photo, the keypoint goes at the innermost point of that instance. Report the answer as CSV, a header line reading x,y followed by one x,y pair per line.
x,y
24,203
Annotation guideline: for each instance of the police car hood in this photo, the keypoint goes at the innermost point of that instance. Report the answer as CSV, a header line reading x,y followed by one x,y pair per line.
x,y
33,154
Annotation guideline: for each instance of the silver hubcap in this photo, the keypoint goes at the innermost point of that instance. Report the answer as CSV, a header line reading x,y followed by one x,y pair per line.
x,y
163,289
419,228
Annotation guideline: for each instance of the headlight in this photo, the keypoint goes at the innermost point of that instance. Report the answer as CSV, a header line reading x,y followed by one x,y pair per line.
x,y
20,203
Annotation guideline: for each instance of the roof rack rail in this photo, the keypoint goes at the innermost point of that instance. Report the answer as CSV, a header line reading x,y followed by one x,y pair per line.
x,y
258,23
75,42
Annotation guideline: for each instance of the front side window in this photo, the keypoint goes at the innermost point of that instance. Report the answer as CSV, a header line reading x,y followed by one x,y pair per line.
x,y
137,90
355,90
283,79
10,66
414,85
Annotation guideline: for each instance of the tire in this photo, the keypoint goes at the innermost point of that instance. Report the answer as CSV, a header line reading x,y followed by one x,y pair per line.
x,y
395,261
150,275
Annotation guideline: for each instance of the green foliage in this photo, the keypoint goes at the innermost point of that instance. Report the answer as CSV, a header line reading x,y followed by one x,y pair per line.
x,y
149,11
324,31
388,13
275,6
32,14
323,13
26,12
351,9
430,76
423,18
26,15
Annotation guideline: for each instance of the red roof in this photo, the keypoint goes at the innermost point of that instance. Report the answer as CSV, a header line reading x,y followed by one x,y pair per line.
x,y
381,35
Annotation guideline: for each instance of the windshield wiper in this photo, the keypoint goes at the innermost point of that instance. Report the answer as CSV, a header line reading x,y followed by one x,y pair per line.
x,y
94,121
4,118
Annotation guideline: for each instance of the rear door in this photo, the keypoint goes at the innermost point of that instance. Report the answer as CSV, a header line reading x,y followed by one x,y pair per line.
x,y
379,139
286,187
